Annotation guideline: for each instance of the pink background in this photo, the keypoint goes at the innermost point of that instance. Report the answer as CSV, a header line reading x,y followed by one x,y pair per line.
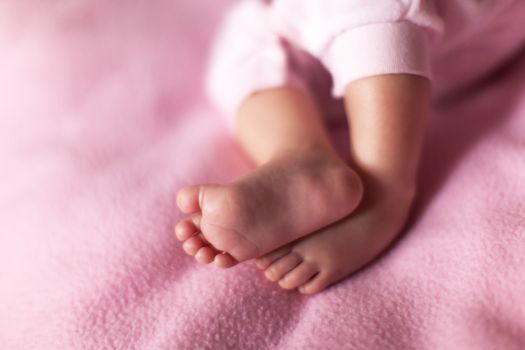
x,y
103,119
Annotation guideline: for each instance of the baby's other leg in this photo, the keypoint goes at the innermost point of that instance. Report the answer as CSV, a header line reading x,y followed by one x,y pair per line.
x,y
299,186
387,117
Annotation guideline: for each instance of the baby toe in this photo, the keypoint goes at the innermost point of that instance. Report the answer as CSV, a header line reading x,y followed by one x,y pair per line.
x,y
188,199
282,266
315,285
192,245
224,260
205,255
264,261
298,276
196,219
185,229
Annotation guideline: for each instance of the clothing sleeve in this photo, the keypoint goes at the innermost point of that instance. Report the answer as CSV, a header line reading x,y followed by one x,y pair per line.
x,y
361,38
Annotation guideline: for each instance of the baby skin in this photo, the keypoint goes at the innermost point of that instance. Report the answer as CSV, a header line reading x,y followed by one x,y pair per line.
x,y
309,218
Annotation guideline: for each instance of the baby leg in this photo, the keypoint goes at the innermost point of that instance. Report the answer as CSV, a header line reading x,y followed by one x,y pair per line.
x,y
299,186
387,118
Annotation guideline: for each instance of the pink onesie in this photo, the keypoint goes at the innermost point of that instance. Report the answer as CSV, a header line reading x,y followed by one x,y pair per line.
x,y
265,44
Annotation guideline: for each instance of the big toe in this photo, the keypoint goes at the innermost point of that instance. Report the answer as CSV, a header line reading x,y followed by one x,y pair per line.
x,y
188,199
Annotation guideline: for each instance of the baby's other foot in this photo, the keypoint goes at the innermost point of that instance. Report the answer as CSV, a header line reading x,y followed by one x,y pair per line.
x,y
314,262
277,203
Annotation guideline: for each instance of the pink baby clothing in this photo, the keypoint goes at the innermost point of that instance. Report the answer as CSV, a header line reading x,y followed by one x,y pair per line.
x,y
452,42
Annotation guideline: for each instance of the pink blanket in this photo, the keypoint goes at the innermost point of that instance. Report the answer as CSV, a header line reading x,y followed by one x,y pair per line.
x,y
102,120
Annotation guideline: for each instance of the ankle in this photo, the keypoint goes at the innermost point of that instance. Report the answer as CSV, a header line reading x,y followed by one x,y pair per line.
x,y
307,151
389,190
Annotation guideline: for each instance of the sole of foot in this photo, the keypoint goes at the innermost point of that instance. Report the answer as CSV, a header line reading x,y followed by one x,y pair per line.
x,y
279,202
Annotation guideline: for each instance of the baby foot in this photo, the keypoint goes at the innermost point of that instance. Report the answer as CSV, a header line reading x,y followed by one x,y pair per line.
x,y
331,254
277,203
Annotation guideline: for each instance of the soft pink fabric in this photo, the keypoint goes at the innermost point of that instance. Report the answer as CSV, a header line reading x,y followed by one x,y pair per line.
x,y
460,40
102,120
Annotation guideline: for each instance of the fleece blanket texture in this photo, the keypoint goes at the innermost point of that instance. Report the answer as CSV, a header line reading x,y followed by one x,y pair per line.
x,y
103,119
